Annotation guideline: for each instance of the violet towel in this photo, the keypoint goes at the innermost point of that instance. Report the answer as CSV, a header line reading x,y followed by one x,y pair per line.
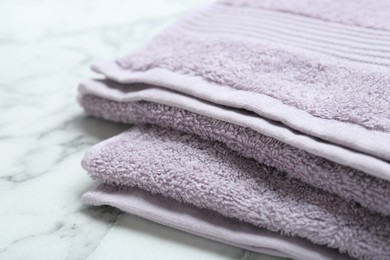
x,y
208,175
325,76
347,182
207,223
321,94
301,87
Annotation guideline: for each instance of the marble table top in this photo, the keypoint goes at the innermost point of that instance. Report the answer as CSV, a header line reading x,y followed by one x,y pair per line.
x,y
46,48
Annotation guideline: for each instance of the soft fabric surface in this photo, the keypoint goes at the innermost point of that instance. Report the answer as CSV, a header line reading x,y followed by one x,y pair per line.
x,y
347,182
206,223
280,119
323,89
150,92
331,84
208,175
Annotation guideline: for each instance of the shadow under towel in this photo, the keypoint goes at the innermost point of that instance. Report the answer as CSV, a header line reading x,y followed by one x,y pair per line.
x,y
208,175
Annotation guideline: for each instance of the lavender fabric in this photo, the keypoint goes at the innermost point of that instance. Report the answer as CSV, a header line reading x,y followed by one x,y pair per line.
x,y
322,77
207,175
280,120
207,223
346,182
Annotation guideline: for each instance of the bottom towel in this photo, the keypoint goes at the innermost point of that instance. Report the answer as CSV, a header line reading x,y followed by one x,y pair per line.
x,y
208,175
206,223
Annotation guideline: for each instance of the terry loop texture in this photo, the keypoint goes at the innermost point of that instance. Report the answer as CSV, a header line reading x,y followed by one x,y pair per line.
x,y
348,183
207,223
208,175
331,76
325,90
313,75
149,91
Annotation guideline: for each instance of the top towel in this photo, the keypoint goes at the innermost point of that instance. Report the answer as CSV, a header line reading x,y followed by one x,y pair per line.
x,y
317,69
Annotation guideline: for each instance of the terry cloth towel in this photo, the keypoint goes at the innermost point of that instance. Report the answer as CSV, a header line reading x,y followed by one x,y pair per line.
x,y
206,223
322,75
207,175
347,182
321,94
299,89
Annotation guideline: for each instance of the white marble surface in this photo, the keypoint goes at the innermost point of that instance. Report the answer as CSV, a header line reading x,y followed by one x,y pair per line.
x,y
45,49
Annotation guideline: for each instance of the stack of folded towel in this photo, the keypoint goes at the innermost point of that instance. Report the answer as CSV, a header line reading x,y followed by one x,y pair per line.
x,y
261,124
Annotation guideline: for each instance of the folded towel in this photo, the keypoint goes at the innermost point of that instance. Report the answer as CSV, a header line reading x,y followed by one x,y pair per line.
x,y
207,175
347,182
207,223
331,106
273,113
326,86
